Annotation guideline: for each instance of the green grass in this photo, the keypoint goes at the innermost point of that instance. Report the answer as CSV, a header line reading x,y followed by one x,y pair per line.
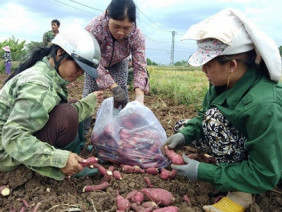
x,y
184,85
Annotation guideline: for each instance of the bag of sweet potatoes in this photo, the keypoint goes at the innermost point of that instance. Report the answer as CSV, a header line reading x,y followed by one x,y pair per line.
x,y
132,135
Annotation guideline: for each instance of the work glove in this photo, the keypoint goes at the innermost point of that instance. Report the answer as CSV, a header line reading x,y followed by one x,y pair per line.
x,y
189,170
175,140
235,201
120,98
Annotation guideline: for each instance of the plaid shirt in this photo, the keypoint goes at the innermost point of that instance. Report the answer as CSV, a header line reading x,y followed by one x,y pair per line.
x,y
114,51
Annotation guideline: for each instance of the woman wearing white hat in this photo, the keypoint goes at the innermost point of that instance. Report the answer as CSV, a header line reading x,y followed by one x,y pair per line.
x,y
7,58
38,127
240,124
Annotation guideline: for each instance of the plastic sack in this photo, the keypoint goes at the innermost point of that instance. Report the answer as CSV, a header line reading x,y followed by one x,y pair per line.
x,y
132,135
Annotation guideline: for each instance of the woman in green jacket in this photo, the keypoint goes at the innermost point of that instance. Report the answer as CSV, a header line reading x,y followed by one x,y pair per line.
x,y
38,127
240,124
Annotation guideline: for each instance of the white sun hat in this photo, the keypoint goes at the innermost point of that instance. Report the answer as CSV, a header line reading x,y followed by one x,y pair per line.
x,y
230,32
6,49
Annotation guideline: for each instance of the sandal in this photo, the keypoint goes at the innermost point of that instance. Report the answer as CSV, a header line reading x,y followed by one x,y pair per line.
x,y
224,205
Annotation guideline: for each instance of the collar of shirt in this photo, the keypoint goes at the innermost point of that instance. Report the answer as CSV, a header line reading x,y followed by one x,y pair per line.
x,y
53,73
233,95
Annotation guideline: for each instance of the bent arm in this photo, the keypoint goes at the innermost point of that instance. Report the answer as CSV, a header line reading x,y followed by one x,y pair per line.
x,y
262,171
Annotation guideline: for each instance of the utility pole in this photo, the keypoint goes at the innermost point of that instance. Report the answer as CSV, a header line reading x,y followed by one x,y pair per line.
x,y
172,48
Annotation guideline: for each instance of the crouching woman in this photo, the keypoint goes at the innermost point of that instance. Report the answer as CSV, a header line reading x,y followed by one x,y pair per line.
x,y
38,127
240,124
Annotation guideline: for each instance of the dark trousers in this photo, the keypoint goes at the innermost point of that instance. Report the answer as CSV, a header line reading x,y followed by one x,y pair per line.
x,y
62,126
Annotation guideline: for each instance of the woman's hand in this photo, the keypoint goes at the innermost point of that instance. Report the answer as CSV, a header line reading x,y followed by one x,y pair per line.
x,y
139,95
99,96
73,166
173,141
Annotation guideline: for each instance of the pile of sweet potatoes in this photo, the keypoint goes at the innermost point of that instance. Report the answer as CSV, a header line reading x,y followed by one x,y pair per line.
x,y
130,141
147,200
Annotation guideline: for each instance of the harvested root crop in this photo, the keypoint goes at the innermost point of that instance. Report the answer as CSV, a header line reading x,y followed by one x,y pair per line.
x,y
122,203
99,187
173,156
89,162
159,196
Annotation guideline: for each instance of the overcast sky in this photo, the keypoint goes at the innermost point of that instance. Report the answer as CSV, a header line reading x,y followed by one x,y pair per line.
x,y
29,19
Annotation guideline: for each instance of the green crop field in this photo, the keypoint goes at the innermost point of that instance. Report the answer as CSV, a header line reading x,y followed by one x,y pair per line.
x,y
184,85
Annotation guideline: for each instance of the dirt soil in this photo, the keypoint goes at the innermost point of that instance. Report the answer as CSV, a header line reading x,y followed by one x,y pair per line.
x,y
67,195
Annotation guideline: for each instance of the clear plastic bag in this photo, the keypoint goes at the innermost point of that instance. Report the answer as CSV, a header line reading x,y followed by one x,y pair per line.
x,y
132,135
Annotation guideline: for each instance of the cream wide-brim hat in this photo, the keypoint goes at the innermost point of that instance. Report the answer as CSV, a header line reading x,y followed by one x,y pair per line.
x,y
239,35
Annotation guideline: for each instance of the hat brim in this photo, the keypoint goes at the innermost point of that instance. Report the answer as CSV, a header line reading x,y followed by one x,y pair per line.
x,y
207,50
88,69
201,57
5,49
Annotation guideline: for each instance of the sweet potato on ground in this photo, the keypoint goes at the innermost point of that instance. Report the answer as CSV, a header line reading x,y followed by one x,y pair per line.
x,y
187,199
122,203
148,182
108,174
102,170
152,170
138,198
99,187
149,204
166,174
158,195
139,208
130,195
117,175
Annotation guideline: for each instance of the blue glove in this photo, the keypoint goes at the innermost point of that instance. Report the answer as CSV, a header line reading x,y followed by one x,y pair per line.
x,y
189,170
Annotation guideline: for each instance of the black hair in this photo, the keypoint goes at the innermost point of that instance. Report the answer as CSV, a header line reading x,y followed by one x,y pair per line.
x,y
56,21
250,61
121,9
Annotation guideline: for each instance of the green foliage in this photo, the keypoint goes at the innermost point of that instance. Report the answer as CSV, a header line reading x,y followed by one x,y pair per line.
x,y
184,85
181,63
280,50
17,48
151,63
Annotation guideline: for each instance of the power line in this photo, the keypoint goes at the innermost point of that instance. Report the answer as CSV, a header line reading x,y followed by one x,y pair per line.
x,y
161,28
74,7
167,51
87,6
151,39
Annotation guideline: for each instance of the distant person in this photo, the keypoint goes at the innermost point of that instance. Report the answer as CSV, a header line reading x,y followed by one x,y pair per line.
x,y
240,124
7,59
39,128
50,35
119,37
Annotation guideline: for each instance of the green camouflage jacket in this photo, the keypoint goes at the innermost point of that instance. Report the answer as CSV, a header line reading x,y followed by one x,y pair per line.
x,y
25,102
48,37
